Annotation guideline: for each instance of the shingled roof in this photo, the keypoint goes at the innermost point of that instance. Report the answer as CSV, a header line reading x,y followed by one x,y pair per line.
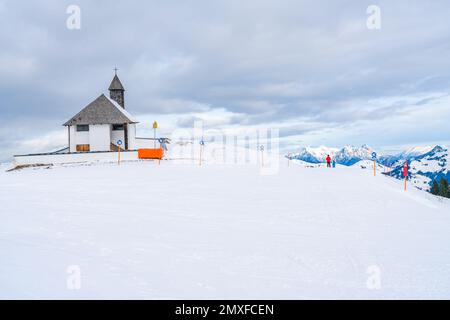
x,y
102,110
116,84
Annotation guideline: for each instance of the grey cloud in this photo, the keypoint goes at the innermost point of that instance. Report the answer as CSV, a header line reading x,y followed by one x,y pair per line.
x,y
269,61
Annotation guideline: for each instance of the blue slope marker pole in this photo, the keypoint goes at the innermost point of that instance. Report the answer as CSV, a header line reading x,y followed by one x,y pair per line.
x,y
374,158
119,143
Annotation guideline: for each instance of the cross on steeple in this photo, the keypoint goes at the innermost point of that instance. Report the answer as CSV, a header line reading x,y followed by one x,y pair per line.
x,y
116,90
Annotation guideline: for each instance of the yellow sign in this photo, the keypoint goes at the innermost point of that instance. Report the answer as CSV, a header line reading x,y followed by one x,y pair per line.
x,y
155,125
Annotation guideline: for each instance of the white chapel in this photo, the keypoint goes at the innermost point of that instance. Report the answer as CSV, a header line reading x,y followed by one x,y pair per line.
x,y
104,124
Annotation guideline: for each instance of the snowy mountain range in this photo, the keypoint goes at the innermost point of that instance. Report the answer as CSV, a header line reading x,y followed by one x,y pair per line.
x,y
347,156
426,163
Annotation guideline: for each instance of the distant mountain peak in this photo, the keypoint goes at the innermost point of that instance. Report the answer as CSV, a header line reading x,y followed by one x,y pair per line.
x,y
438,148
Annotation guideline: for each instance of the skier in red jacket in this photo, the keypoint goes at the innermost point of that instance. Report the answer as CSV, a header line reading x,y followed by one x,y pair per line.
x,y
328,161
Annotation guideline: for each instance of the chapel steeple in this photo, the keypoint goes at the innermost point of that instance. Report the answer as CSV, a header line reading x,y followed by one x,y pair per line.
x,y
116,90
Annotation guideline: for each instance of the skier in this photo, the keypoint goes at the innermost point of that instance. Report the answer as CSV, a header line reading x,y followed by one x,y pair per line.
x,y
328,161
333,163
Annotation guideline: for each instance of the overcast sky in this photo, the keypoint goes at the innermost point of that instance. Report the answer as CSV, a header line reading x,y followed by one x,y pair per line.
x,y
313,69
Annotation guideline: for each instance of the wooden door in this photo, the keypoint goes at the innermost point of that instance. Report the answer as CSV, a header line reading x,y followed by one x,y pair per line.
x,y
83,148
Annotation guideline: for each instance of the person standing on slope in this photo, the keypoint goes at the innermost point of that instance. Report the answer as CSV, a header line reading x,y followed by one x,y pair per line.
x,y
328,161
333,163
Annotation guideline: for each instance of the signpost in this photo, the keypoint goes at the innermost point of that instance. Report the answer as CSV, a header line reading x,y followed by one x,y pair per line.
x,y
162,143
405,172
202,143
374,158
119,143
155,126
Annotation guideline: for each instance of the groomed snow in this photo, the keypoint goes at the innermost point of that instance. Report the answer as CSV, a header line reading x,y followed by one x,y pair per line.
x,y
181,231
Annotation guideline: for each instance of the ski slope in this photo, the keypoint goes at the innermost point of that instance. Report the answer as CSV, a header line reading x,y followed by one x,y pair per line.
x,y
181,231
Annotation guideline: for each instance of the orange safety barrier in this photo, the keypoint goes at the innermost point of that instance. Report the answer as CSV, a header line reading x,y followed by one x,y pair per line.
x,y
150,153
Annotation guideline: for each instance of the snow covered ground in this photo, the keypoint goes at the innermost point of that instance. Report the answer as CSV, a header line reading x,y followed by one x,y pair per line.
x,y
181,231
368,164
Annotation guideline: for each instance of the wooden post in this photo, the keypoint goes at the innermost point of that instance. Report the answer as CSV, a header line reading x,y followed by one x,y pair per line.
x,y
118,154
155,126
202,143
374,168
405,172
374,158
